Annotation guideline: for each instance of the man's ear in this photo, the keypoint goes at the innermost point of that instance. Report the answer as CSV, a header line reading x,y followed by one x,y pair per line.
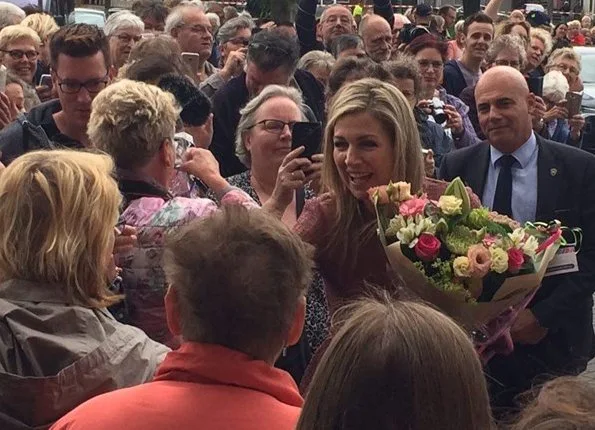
x,y
172,312
167,153
297,326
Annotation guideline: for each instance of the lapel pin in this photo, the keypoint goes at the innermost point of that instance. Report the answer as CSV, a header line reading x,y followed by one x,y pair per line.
x,y
553,172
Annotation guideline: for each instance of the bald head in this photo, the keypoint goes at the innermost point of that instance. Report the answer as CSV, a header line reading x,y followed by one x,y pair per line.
x,y
502,98
377,36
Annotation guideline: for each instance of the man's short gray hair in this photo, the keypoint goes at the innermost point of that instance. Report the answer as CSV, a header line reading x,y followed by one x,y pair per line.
x,y
230,28
176,17
214,20
248,115
10,14
123,19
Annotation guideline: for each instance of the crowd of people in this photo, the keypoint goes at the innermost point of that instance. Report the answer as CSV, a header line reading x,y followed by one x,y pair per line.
x,y
171,257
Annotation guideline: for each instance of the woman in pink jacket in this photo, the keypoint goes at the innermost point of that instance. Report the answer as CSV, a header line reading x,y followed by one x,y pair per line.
x,y
135,123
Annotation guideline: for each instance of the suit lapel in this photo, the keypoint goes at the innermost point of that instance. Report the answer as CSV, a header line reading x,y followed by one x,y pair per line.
x,y
478,168
549,175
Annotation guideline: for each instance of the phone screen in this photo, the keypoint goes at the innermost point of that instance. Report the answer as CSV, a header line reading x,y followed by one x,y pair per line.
x,y
535,84
573,103
192,60
308,135
46,80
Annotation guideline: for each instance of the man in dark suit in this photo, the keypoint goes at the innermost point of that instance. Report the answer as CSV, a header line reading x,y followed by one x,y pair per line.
x,y
530,178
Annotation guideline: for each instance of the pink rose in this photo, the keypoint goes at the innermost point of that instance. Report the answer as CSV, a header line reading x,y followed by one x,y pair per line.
x,y
479,260
412,207
516,259
427,247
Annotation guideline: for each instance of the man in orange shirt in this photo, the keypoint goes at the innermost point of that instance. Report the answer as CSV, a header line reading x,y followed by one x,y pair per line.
x,y
237,297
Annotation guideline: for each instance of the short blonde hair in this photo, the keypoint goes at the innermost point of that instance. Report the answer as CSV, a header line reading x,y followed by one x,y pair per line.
x,y
248,115
545,37
130,120
397,365
575,23
563,54
58,210
42,23
14,33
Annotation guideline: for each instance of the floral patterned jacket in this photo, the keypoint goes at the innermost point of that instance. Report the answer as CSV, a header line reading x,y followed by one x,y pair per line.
x,y
155,213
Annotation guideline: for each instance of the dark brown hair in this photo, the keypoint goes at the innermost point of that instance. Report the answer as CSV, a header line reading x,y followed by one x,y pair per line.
x,y
239,275
79,40
428,41
478,17
150,59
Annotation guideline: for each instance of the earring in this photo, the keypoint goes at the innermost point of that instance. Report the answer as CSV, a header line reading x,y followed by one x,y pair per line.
x,y
284,352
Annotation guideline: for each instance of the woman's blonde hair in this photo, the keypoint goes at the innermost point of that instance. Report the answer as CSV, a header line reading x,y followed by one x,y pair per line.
x,y
42,23
399,366
14,33
387,104
507,26
563,54
130,120
545,37
57,215
565,403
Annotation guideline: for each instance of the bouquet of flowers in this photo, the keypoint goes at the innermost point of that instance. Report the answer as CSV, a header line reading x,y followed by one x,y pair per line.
x,y
475,265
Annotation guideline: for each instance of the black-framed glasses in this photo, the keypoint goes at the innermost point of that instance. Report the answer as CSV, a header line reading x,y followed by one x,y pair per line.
x,y
92,86
274,126
17,54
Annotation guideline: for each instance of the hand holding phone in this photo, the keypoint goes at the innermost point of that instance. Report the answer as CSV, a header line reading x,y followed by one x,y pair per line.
x,y
45,81
573,103
308,135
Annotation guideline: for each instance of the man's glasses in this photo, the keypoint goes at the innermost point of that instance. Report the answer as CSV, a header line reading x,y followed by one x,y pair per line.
x,y
425,64
200,29
92,86
17,54
240,41
515,64
565,68
274,126
268,48
127,38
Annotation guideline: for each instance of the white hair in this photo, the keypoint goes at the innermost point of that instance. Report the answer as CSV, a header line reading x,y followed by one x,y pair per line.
x,y
121,20
175,18
215,21
248,115
316,59
555,86
10,14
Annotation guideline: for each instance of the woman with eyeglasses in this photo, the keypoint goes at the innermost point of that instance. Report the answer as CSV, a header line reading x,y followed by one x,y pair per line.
x,y
124,30
446,110
263,140
135,123
19,49
567,61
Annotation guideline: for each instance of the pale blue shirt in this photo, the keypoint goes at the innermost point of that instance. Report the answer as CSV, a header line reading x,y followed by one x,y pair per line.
x,y
524,180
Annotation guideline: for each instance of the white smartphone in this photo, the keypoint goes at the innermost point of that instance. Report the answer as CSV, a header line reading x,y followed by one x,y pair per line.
x,y
2,78
45,81
192,59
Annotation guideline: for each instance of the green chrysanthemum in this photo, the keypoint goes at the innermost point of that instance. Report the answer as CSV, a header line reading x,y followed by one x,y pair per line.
x,y
460,239
478,218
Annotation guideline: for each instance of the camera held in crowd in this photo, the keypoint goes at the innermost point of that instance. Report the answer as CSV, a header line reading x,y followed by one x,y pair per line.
x,y
437,108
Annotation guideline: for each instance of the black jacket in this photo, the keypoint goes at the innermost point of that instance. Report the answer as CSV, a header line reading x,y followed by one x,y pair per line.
x,y
227,103
32,131
454,80
563,304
